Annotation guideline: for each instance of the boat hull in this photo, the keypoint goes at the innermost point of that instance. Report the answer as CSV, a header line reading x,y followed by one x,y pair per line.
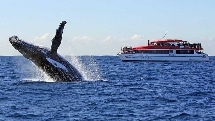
x,y
163,57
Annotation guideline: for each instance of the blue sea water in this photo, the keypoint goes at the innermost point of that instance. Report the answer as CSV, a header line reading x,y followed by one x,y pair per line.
x,y
112,90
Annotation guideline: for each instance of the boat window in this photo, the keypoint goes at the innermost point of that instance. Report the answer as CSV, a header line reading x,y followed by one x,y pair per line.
x,y
170,51
152,51
184,51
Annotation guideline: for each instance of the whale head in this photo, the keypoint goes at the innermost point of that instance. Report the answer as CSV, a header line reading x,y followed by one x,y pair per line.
x,y
26,49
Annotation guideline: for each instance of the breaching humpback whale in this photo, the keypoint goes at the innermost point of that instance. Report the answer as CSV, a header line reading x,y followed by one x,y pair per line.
x,y
58,68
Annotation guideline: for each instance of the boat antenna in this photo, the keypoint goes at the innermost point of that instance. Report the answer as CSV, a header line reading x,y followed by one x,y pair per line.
x,y
165,34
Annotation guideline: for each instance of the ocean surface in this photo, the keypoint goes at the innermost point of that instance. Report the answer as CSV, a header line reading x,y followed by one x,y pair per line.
x,y
111,91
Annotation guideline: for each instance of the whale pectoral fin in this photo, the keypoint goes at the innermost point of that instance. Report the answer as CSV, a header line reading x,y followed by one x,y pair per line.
x,y
56,41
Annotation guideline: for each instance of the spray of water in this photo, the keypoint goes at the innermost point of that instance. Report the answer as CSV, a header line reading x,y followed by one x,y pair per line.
x,y
89,69
39,75
42,76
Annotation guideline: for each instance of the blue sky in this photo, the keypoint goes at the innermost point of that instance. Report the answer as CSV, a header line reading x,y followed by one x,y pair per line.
x,y
102,27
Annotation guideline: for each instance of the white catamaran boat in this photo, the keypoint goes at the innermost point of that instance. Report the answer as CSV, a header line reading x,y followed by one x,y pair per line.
x,y
164,50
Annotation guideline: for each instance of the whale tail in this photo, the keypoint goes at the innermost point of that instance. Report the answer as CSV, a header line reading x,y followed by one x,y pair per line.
x,y
56,41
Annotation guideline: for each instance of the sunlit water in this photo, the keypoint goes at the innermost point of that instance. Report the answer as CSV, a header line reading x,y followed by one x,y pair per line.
x,y
111,90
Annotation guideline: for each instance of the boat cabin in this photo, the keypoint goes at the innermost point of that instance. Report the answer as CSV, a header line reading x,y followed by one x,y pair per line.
x,y
165,47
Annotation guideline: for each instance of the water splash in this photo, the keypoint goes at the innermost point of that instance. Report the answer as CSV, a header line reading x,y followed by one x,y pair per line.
x,y
39,75
89,69
42,76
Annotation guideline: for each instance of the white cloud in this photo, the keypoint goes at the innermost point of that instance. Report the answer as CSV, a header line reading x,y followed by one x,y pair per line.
x,y
83,38
211,39
136,37
208,45
45,36
108,38
111,39
43,40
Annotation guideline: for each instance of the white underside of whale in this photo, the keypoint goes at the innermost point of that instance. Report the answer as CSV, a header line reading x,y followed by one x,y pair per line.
x,y
57,64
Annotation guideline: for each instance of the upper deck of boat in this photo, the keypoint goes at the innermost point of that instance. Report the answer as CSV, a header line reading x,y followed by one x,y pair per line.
x,y
169,44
